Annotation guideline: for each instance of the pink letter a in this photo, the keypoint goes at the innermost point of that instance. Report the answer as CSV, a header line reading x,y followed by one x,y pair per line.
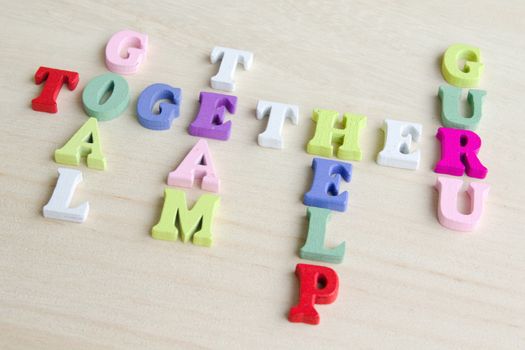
x,y
197,164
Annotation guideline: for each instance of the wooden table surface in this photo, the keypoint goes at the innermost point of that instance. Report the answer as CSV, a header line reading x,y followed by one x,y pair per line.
x,y
406,281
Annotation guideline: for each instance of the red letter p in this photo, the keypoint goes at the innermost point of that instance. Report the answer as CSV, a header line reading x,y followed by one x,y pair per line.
x,y
318,285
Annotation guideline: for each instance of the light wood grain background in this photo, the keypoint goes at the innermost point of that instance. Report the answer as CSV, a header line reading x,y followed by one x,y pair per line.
x,y
406,282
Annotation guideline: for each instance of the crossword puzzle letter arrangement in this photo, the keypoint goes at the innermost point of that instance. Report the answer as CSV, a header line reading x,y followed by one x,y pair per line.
x,y
107,96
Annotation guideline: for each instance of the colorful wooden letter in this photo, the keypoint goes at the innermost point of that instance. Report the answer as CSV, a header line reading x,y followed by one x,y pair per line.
x,y
450,97
317,285
470,75
85,142
398,139
459,149
167,111
448,213
197,164
105,97
53,80
223,80
324,192
314,248
134,46
201,215
277,113
209,122
326,133
58,205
